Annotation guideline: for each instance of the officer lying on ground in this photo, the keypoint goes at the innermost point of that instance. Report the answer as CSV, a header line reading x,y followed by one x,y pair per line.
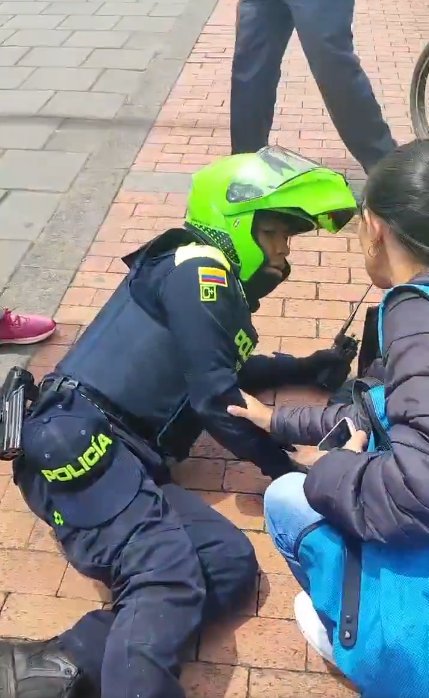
x,y
157,365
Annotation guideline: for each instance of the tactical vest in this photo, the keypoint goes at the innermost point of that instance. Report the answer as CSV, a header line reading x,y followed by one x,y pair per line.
x,y
129,357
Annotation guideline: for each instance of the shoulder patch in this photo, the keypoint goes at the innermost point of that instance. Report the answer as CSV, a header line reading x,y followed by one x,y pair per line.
x,y
208,293
195,251
209,279
212,276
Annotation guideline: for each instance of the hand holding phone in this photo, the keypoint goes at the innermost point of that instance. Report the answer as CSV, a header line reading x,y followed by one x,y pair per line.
x,y
338,436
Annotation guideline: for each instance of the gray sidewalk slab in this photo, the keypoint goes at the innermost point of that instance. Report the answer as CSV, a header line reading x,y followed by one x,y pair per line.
x,y
81,84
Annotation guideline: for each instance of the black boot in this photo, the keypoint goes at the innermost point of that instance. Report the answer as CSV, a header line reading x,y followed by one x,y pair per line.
x,y
38,670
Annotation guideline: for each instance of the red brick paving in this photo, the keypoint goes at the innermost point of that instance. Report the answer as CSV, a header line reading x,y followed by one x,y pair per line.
x,y
259,653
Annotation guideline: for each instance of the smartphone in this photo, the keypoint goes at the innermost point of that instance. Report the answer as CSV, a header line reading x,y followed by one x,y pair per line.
x,y
338,436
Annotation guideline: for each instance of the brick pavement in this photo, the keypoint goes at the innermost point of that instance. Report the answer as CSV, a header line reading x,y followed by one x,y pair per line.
x,y
259,652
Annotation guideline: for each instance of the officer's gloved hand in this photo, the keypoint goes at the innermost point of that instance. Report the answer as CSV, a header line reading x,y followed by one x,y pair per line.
x,y
322,363
299,467
293,466
278,370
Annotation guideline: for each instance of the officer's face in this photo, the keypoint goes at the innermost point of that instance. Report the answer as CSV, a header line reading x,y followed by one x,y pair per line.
x,y
273,235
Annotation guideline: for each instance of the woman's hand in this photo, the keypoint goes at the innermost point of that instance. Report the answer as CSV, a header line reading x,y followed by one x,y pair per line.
x,y
357,443
255,412
309,455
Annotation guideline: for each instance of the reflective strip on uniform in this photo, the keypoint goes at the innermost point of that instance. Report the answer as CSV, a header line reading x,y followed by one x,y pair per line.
x,y
195,251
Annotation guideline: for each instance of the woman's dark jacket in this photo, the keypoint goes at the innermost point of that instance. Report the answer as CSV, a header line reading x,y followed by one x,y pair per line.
x,y
377,496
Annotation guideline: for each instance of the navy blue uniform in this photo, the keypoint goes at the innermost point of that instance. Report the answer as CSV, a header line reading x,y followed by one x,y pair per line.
x,y
161,361
168,349
171,563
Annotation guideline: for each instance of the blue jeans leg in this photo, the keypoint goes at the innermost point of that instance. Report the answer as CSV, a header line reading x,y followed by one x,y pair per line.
x,y
288,514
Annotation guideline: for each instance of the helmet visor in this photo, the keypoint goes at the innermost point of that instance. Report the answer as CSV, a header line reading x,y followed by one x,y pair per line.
x,y
300,221
281,166
333,221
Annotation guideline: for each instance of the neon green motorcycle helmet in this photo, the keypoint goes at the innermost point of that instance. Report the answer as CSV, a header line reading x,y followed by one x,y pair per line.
x,y
226,195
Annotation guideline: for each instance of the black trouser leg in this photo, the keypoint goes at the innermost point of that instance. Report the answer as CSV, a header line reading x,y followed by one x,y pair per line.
x,y
227,561
264,28
324,28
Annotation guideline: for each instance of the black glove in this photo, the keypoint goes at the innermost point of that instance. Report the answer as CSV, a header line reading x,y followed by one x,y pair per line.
x,y
294,466
299,468
265,372
325,362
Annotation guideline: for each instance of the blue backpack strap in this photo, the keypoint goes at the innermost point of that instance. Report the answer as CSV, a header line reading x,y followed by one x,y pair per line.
x,y
378,400
419,289
379,439
377,409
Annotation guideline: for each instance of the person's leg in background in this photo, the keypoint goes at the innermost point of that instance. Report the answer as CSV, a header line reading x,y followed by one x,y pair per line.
x,y
24,329
263,30
226,556
324,28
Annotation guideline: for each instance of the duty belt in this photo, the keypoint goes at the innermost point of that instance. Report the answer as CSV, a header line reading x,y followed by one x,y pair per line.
x,y
125,426
121,418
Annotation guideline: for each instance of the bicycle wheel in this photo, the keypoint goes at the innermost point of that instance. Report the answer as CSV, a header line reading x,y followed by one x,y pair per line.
x,y
418,104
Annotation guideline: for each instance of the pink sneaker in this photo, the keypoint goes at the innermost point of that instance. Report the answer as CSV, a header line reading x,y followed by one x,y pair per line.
x,y
24,329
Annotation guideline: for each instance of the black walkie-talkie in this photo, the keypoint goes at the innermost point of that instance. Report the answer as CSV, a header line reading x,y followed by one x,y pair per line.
x,y
346,346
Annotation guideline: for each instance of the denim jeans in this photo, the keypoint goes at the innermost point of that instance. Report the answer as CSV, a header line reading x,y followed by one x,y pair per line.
x,y
288,513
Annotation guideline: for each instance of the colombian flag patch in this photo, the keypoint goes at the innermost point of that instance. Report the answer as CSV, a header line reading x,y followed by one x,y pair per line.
x,y
212,276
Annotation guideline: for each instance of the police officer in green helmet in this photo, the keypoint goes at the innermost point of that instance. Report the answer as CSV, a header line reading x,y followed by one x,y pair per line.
x,y
161,362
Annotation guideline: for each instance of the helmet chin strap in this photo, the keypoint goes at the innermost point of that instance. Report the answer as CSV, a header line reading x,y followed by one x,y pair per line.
x,y
261,284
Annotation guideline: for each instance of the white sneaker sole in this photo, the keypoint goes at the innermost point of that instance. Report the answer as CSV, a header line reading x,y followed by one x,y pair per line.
x,y
28,340
304,611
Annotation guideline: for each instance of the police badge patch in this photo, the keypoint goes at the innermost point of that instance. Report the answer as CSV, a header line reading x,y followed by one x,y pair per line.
x,y
208,293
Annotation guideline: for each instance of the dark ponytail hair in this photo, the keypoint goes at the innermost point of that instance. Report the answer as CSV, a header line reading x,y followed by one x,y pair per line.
x,y
398,192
